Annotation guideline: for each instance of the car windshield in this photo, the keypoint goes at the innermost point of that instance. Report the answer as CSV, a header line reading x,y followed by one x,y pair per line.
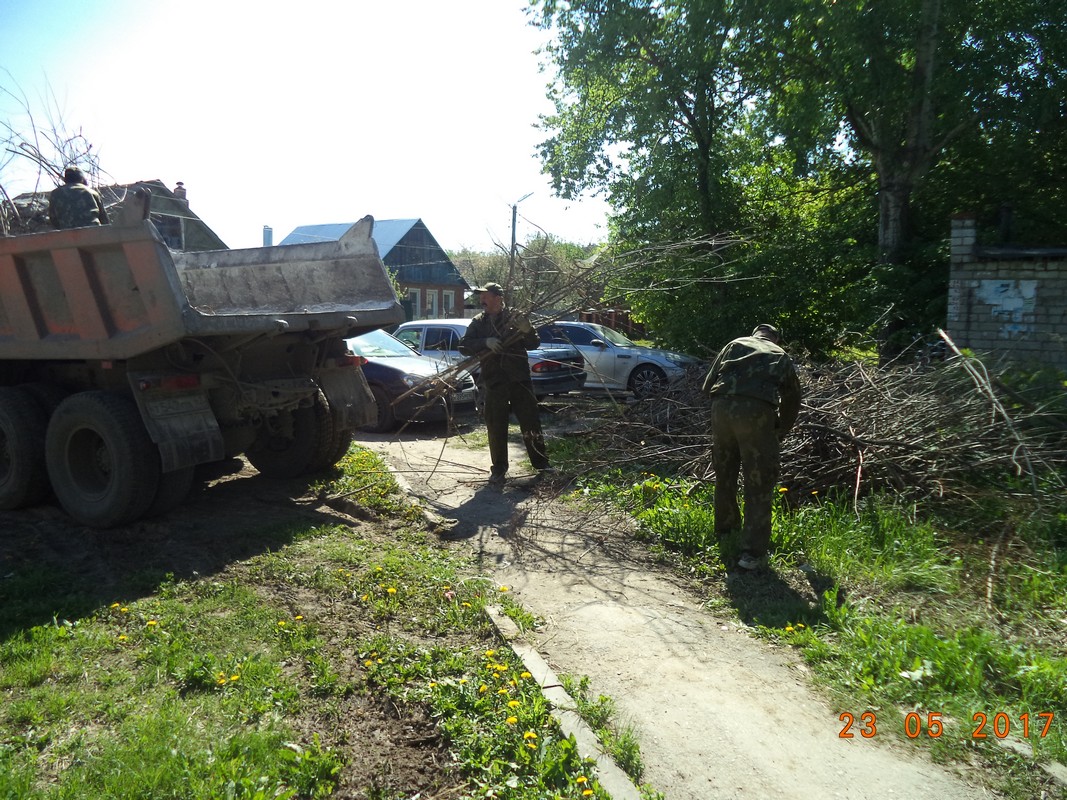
x,y
379,344
613,336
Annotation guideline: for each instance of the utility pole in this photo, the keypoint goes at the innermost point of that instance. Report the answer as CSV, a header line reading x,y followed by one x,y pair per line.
x,y
514,218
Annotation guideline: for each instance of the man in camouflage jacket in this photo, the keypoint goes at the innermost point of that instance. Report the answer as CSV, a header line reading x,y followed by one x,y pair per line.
x,y
755,396
500,338
75,204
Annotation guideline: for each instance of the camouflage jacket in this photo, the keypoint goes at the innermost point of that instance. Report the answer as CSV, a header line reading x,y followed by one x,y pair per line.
x,y
755,367
75,205
509,366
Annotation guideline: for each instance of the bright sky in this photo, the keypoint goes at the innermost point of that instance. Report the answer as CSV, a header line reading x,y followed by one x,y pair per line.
x,y
287,114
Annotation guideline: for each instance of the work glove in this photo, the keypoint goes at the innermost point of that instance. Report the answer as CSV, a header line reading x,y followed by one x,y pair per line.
x,y
494,344
522,324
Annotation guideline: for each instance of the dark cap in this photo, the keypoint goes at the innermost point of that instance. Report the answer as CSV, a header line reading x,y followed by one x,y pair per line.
x,y
492,288
73,175
767,331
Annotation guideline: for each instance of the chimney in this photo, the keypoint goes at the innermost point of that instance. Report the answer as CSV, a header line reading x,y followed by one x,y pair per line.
x,y
179,192
268,235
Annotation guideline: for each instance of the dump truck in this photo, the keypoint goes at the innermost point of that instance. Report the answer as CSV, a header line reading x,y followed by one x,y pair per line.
x,y
124,365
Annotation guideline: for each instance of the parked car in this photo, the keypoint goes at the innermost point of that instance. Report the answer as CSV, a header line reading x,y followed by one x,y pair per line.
x,y
614,363
554,368
393,369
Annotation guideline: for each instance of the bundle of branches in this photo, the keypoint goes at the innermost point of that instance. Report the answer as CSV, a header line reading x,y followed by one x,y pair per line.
x,y
922,432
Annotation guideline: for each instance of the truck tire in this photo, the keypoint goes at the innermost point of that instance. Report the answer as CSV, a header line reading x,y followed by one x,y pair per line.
x,y
103,466
173,489
342,441
47,395
326,438
23,476
277,454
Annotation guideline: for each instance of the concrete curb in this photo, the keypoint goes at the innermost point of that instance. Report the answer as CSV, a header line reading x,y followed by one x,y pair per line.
x,y
614,781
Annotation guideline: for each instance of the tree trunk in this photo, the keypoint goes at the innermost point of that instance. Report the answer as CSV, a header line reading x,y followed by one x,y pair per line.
x,y
893,200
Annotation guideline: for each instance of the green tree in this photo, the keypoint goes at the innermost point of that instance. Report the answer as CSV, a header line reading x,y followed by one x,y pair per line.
x,y
900,82
807,128
644,94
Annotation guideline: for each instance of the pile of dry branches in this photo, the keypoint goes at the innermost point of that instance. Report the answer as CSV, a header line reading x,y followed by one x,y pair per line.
x,y
934,431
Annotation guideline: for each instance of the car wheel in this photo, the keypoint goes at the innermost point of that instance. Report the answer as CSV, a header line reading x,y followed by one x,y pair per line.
x,y
386,419
646,381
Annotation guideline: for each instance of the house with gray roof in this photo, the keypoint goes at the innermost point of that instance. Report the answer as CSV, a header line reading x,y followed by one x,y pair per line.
x,y
433,287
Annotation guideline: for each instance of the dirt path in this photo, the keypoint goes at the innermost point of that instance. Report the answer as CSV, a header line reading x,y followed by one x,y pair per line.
x,y
718,714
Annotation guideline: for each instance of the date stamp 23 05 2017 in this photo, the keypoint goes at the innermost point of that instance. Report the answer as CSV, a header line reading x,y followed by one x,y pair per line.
x,y
998,725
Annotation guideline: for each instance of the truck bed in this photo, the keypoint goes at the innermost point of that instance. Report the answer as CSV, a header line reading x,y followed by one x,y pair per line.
x,y
115,292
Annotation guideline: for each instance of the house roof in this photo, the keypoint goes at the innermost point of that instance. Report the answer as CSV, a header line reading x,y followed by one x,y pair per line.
x,y
387,232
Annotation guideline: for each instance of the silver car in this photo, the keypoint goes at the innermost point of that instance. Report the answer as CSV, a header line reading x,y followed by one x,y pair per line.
x,y
614,363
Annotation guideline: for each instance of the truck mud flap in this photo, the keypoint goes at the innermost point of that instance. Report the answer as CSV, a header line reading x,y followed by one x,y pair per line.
x,y
351,402
182,425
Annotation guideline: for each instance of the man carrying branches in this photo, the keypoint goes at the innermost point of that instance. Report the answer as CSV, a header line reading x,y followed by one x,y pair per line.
x,y
500,337
755,396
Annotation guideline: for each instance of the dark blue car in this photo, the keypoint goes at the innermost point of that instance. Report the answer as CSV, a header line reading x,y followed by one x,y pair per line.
x,y
430,389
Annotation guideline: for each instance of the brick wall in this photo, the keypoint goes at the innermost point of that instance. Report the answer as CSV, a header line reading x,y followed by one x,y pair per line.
x,y
1007,302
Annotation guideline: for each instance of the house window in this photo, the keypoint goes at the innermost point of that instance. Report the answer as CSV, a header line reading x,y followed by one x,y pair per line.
x,y
431,309
448,304
415,296
170,229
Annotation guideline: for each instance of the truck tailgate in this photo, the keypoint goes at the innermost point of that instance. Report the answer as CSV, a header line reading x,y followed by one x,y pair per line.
x,y
114,292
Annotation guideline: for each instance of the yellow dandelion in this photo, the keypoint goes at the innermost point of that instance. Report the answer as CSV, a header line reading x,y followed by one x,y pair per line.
x,y
490,653
502,691
151,623
531,745
511,720
466,605
581,779
281,623
801,625
122,637
377,569
504,589
483,689
220,682
368,663
782,490
588,793
447,588
391,590
500,667
529,735
363,597
235,677
114,605
788,628
298,617
513,704
525,675
433,684
125,610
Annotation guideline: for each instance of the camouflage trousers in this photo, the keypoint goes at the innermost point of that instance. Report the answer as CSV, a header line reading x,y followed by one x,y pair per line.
x,y
501,400
744,439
